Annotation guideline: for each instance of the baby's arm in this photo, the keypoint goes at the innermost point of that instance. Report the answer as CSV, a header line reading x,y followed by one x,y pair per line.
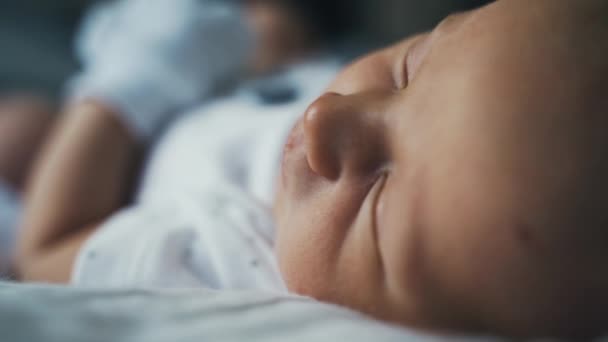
x,y
24,123
139,72
84,175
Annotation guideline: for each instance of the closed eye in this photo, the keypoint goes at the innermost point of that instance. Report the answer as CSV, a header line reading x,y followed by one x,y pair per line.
x,y
410,62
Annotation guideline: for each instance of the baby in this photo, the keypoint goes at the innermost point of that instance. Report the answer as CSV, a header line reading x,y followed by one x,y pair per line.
x,y
455,180
452,182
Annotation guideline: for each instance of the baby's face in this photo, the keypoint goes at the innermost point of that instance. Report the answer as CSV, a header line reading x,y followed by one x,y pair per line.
x,y
434,184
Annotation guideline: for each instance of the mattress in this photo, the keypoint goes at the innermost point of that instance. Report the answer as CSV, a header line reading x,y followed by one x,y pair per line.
x,y
30,313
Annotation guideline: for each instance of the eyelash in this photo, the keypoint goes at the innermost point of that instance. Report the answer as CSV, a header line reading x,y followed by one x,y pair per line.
x,y
402,74
401,77
406,72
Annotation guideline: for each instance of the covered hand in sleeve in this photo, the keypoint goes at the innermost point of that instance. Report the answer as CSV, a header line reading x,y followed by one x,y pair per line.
x,y
147,59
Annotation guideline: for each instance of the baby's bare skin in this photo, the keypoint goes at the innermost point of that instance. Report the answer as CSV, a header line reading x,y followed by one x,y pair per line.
x,y
24,123
456,181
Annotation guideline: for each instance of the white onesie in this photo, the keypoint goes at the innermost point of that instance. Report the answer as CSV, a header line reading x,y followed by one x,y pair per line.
x,y
202,218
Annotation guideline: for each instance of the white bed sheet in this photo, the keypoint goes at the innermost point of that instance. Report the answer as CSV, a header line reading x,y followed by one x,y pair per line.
x,y
30,313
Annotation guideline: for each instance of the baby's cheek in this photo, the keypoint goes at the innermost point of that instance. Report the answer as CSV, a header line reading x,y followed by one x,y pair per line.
x,y
303,265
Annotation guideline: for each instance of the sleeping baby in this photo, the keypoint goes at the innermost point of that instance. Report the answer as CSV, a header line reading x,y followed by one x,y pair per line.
x,y
453,183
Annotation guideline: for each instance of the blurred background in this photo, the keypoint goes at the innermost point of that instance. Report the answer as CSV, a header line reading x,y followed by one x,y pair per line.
x,y
37,58
37,36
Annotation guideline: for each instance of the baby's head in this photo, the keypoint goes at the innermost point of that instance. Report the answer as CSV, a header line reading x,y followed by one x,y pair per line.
x,y
456,181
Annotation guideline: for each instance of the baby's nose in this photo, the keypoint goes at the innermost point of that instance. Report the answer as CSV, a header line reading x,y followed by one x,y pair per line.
x,y
344,135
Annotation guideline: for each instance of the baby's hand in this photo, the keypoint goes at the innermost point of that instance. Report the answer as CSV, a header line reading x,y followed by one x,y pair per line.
x,y
150,58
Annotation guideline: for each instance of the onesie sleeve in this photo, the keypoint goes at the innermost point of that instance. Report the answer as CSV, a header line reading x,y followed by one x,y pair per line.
x,y
215,239
143,246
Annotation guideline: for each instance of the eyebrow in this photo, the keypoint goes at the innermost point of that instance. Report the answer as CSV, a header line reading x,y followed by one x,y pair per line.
x,y
417,51
453,22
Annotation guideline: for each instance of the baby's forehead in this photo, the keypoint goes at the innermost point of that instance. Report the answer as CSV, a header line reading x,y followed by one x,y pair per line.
x,y
540,52
525,57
